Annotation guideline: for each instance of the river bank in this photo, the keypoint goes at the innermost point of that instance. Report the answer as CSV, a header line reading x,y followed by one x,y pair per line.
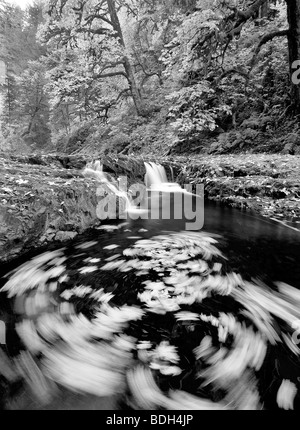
x,y
47,198
268,184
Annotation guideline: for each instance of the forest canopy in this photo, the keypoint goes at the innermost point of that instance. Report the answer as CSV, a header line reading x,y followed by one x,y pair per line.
x,y
132,76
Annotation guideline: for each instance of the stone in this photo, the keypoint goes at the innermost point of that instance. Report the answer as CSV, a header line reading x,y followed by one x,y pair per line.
x,y
288,149
63,236
297,150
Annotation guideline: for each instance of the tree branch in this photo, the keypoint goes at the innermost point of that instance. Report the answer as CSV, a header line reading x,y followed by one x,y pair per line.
x,y
112,65
265,39
242,18
127,90
251,11
109,75
231,72
148,76
100,31
89,19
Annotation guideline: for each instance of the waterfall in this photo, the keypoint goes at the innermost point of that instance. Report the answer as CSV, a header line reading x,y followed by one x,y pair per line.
x,y
156,182
172,173
156,179
98,166
155,175
95,170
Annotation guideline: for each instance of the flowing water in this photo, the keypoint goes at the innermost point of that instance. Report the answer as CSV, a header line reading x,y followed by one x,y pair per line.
x,y
143,314
155,175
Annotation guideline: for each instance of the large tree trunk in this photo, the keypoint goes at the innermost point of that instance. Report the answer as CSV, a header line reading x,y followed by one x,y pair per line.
x,y
133,88
293,10
127,65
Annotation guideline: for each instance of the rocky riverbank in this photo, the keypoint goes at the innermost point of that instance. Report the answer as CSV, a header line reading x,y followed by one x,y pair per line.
x,y
267,184
40,201
44,199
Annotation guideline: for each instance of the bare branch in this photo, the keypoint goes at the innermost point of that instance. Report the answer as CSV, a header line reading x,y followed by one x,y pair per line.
x,y
112,65
100,31
109,75
150,75
231,72
122,93
265,39
89,19
241,18
251,11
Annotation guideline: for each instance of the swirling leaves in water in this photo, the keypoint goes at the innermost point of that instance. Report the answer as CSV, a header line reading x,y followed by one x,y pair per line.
x,y
189,269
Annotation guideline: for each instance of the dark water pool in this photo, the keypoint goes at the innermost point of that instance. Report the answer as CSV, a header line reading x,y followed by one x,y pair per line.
x,y
255,247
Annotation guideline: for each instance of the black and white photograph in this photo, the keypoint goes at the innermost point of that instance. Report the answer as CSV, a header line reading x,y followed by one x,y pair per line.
x,y
150,208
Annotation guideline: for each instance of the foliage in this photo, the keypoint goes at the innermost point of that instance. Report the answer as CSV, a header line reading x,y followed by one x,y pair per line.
x,y
195,109
220,79
144,73
25,114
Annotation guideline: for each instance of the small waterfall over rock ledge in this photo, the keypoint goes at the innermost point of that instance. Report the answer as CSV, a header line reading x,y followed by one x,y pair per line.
x,y
138,199
156,179
155,175
111,186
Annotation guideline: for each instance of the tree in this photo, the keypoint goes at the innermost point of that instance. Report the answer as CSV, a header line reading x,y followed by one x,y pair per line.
x,y
11,18
33,105
25,108
227,50
233,23
94,27
195,65
136,95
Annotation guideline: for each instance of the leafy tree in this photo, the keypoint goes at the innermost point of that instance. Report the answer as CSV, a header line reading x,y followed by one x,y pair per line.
x,y
174,70
221,59
33,109
11,18
25,110
90,39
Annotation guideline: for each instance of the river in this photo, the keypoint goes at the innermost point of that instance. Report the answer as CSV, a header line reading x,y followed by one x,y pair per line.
x,y
256,249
